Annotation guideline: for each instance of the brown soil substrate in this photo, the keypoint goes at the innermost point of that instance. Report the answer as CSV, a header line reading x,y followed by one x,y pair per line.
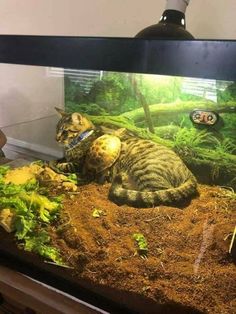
x,y
187,261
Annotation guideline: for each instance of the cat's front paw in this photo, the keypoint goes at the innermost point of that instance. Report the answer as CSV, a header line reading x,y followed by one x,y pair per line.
x,y
62,167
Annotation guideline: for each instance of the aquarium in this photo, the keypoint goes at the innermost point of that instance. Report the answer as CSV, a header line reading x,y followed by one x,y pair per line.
x,y
118,179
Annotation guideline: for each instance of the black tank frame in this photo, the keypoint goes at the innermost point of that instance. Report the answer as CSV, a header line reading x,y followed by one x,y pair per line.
x,y
210,59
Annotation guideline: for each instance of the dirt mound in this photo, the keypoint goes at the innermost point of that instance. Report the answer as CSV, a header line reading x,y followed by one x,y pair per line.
x,y
187,261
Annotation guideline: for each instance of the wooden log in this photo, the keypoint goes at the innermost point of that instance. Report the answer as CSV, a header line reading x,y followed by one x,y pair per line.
x,y
178,107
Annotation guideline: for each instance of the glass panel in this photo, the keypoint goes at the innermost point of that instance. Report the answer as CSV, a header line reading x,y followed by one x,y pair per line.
x,y
154,156
27,115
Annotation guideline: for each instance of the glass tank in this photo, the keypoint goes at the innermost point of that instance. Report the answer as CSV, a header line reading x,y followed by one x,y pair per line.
x,y
121,184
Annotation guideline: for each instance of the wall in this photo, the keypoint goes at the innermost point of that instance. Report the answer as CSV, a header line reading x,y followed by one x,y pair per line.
x,y
205,18
25,93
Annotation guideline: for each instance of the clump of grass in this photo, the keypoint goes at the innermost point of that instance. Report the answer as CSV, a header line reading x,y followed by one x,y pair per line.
x,y
187,140
228,192
228,196
225,146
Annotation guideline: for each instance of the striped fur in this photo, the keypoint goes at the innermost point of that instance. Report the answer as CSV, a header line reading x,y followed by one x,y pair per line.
x,y
146,174
149,174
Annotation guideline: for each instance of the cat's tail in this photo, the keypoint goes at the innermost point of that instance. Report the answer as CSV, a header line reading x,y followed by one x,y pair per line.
x,y
172,196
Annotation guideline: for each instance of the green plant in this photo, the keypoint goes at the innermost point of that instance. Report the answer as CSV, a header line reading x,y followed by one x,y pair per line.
x,y
97,213
41,244
225,146
142,243
31,213
187,140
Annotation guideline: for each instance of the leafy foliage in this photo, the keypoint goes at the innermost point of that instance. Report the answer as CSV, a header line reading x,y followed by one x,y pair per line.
x,y
3,170
31,212
141,242
41,244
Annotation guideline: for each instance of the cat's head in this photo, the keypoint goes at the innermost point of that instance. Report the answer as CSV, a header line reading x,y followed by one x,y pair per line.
x,y
71,126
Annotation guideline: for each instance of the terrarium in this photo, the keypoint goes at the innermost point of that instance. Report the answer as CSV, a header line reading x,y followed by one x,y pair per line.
x,y
119,175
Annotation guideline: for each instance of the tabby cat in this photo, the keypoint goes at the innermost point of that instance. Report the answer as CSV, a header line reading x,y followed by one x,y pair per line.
x,y
145,174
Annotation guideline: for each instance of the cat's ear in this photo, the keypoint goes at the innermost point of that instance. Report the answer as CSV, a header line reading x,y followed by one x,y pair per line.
x,y
61,112
76,118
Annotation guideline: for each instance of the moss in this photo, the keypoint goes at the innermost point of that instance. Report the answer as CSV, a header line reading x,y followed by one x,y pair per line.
x,y
115,122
